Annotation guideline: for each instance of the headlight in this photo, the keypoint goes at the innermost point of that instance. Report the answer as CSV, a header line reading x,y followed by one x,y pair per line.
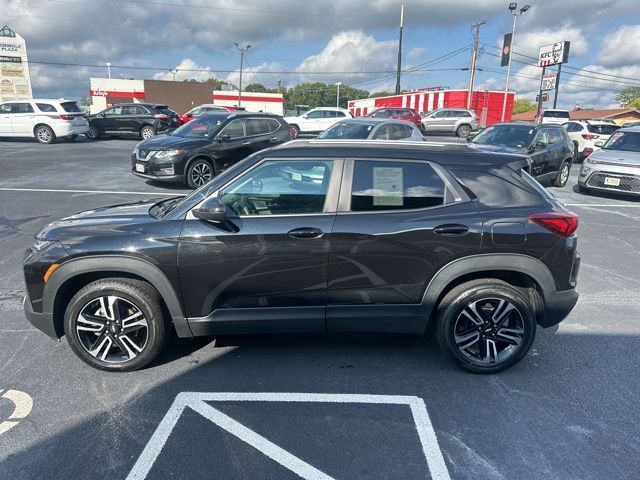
x,y
167,153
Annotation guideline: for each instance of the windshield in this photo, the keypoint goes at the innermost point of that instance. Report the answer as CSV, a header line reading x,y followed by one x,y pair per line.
x,y
516,136
625,141
347,130
202,127
556,115
602,129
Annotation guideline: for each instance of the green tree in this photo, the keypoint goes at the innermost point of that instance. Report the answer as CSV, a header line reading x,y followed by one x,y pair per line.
x,y
521,105
628,95
318,94
85,101
259,88
381,94
635,104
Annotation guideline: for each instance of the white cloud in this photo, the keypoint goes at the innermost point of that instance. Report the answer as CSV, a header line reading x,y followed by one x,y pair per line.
x,y
257,74
187,69
621,47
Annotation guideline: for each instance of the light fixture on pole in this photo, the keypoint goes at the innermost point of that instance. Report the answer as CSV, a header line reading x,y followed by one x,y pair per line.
x,y
242,52
338,94
174,72
109,69
513,7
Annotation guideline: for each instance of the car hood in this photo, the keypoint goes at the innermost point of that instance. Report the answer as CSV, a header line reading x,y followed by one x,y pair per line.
x,y
498,148
171,142
618,157
123,217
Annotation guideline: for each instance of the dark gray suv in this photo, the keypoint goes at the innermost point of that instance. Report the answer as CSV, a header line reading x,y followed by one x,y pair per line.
x,y
317,236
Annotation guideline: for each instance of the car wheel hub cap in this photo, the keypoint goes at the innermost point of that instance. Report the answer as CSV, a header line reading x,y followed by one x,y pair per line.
x,y
489,331
201,174
112,329
44,135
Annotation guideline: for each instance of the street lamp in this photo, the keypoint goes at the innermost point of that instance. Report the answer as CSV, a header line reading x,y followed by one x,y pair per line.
x,y
242,52
338,94
513,7
174,72
109,69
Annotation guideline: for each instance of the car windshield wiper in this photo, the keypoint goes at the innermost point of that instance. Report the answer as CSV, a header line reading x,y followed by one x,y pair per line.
x,y
165,206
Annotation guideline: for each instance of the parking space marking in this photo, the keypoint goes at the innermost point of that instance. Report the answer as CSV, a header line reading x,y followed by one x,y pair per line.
x,y
99,192
197,402
23,405
600,205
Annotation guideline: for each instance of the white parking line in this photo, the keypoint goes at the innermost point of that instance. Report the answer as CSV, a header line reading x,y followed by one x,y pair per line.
x,y
23,405
197,402
99,192
600,205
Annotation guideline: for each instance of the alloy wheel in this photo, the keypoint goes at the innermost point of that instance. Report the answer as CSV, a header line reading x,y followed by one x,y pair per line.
x,y
564,174
200,173
112,329
489,331
147,133
44,134
92,133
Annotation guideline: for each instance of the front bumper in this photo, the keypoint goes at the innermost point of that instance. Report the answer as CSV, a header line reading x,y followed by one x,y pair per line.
x,y
42,321
159,178
603,177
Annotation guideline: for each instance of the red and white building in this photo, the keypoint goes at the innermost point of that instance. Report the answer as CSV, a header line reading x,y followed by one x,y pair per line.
x,y
486,103
180,96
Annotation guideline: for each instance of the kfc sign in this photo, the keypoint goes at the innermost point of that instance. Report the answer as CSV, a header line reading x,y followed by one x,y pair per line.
x,y
554,54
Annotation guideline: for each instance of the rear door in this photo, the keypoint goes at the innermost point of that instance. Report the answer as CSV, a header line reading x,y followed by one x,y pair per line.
x,y
398,223
259,134
128,120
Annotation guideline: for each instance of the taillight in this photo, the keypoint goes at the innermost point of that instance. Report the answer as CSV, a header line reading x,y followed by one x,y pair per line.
x,y
161,116
66,117
560,223
588,136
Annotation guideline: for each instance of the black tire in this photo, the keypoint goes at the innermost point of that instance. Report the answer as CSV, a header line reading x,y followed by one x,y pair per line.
x,y
463,131
563,174
147,132
138,294
200,171
44,134
295,131
93,133
70,138
450,319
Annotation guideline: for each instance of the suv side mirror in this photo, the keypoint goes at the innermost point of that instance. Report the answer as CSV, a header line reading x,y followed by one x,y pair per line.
x,y
599,144
224,138
212,210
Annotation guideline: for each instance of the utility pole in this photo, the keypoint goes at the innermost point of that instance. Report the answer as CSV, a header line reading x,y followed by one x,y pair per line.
x,y
474,59
242,52
544,70
400,50
338,94
512,8
555,97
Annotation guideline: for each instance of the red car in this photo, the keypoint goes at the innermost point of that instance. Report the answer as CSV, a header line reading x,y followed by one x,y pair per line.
x,y
199,110
406,114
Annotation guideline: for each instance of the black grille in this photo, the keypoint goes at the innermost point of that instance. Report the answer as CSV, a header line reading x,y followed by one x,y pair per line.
x,y
628,183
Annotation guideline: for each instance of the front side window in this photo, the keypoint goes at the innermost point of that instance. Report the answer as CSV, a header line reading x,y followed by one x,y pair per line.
x,y
22,108
235,129
555,135
395,185
5,108
314,114
516,136
541,138
280,188
112,112
204,127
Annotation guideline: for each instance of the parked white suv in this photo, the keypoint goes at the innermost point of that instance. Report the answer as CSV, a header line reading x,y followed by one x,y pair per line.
x,y
317,120
44,120
585,135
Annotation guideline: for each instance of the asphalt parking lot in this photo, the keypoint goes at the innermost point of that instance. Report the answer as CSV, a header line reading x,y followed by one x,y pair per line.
x,y
368,406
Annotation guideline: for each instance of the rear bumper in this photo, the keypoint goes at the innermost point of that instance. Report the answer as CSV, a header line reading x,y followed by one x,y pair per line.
x,y
68,130
42,321
557,306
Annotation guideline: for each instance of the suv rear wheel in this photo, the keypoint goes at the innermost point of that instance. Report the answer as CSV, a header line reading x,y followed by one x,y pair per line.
x,y
463,131
563,175
44,134
295,131
486,325
116,324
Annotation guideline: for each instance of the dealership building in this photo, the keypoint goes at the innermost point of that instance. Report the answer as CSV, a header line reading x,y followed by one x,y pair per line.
x,y
179,96
15,81
486,103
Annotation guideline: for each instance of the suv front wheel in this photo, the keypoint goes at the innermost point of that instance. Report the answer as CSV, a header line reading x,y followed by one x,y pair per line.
x,y
486,325
147,132
116,324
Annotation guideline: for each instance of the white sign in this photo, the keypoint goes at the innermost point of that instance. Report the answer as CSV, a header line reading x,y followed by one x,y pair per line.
x,y
549,82
553,54
14,67
387,186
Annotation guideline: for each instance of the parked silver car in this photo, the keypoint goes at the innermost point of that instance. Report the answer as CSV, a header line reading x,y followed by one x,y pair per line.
x,y
616,166
368,128
455,120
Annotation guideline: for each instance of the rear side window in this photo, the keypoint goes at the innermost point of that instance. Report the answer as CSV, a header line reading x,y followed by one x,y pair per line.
x,y
257,126
70,107
166,110
46,107
395,185
464,113
602,129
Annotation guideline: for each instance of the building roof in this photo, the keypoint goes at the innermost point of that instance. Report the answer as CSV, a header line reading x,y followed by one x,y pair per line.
x,y
584,114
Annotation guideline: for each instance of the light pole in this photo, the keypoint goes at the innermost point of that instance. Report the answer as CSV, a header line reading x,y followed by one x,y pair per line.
x,y
109,69
338,94
242,52
513,6
174,72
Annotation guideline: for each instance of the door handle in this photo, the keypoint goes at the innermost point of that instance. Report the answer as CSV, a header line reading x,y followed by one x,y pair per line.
x,y
246,143
273,139
305,232
451,229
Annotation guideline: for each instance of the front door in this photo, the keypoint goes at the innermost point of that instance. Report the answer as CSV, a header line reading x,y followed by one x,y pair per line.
x,y
267,266
397,225
5,119
22,118
232,145
109,119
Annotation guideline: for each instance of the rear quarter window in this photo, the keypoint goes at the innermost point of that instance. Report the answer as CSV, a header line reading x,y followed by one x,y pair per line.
x,y
71,107
46,107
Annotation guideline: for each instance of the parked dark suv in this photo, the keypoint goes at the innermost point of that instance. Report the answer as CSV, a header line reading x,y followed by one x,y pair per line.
x,y
317,236
143,119
200,149
551,150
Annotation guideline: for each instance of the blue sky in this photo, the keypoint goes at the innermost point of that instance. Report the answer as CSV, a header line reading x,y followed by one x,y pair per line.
x,y
312,39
